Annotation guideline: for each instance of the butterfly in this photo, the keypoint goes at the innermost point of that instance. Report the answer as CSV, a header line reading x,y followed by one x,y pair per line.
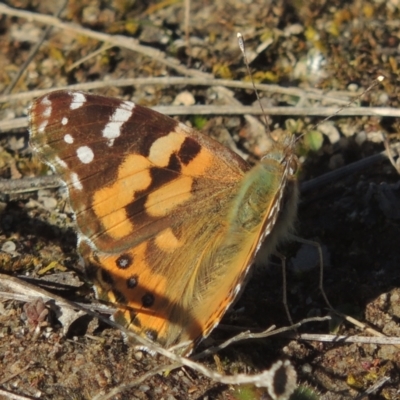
x,y
169,221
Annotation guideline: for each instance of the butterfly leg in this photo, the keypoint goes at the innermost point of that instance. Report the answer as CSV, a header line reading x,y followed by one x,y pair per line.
x,y
284,284
321,266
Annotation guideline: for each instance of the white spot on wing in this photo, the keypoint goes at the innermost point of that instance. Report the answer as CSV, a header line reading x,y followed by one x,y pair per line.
x,y
85,154
68,139
60,162
76,183
113,129
78,100
64,121
46,103
47,112
42,126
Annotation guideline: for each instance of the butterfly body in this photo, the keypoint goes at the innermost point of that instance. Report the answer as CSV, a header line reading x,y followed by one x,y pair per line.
x,y
169,221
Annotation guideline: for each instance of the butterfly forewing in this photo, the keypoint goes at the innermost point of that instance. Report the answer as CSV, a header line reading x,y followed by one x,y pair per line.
x,y
169,220
103,147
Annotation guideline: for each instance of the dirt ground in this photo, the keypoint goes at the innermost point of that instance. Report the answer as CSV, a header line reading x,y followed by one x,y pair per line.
x,y
315,54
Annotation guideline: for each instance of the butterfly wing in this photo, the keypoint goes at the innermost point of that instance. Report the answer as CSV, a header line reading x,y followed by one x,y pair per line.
x,y
167,219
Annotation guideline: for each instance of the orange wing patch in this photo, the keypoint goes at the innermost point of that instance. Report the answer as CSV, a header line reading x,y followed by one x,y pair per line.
x,y
154,185
109,203
167,241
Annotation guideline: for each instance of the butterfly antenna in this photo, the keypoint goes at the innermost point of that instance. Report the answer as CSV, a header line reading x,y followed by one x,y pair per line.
x,y
246,62
376,82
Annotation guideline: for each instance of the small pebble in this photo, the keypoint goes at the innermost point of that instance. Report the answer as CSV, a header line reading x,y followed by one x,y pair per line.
x,y
185,99
383,99
47,199
329,130
361,137
90,14
49,203
352,87
9,247
294,29
306,369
